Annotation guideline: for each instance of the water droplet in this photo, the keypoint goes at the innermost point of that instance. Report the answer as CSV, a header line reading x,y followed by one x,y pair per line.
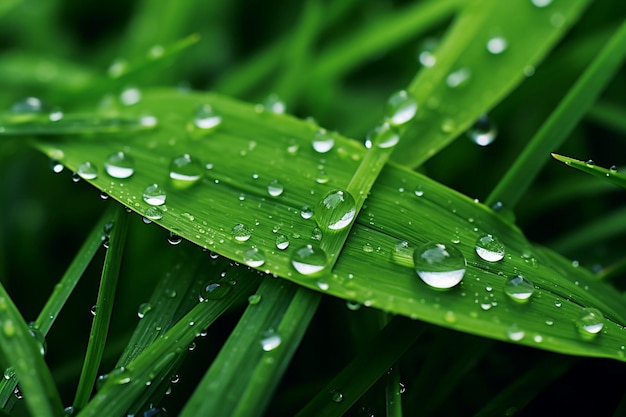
x,y
482,132
401,108
426,54
496,45
170,293
438,265
174,239
353,305
458,78
309,260
205,118
152,213
336,210
336,396
154,195
541,3
514,333
448,125
241,232
185,171
119,165
39,338
613,169
306,212
419,191
254,299
590,323
28,105
402,253
254,257
56,166
274,104
519,289
130,96
323,141
282,242
119,376
87,171
93,310
489,248
270,340
275,188
214,291
316,234
9,373
143,310
104,196
383,136
590,163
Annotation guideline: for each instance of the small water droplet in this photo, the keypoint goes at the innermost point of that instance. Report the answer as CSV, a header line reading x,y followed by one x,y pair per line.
x,y
87,171
275,188
205,118
254,257
438,265
336,210
613,169
154,195
274,104
143,310
130,96
482,132
174,239
254,299
448,125
519,289
401,108
309,260
214,291
489,248
514,333
119,165
282,242
541,3
322,177
270,340
28,105
383,136
590,163
119,376
322,141
336,396
458,78
241,232
316,234
39,338
170,293
590,323
56,166
152,213
9,373
104,195
306,212
419,191
185,171
426,52
353,305
93,310
496,45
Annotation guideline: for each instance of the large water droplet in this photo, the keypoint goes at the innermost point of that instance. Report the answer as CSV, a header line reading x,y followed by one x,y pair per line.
x,y
496,45
282,242
154,195
336,210
241,232
383,136
309,260
519,289
254,257
401,108
438,265
322,141
483,132
489,248
205,118
458,78
143,310
275,188
119,165
185,171
87,171
590,323
270,340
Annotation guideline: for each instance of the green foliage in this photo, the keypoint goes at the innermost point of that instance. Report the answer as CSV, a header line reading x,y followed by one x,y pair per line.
x,y
301,273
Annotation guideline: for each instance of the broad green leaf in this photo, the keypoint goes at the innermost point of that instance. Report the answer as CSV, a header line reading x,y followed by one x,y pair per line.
x,y
249,150
611,174
491,47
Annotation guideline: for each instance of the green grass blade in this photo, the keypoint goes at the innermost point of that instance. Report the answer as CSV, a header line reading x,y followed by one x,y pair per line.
x,y
486,78
364,370
611,174
242,378
393,394
561,122
21,351
104,308
609,115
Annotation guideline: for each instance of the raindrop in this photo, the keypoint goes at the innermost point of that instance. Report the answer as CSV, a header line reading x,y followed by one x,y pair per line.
x,y
9,373
119,376
336,210
87,171
336,396
514,333
130,96
254,299
401,108
496,45
323,141
309,260
241,232
590,323
119,165
104,195
275,188
274,104
489,248
270,340
254,257
174,239
214,291
613,169
419,191
383,136
282,242
154,195
28,105
316,234
519,289
152,213
40,339
143,310
353,305
426,52
458,77
541,3
185,171
56,166
322,177
482,132
306,212
205,118
438,265
93,310
170,293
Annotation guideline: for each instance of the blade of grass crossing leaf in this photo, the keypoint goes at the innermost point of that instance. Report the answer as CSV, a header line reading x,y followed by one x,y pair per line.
x,y
251,362
364,370
393,394
142,370
104,308
21,351
561,122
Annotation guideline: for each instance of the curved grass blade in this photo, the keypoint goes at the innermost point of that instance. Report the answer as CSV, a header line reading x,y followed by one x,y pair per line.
x,y
234,163
472,75
611,174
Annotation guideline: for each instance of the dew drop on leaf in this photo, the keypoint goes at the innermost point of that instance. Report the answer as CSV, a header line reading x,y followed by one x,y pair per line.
x,y
514,333
336,396
489,248
496,45
336,210
590,323
401,108
275,188
274,104
153,213
254,257
438,265
519,289
56,166
426,52
241,232
214,291
541,3
185,171
322,141
119,165
309,260
306,212
206,118
458,78
143,309
382,136
40,339
483,132
254,299
270,340
174,239
130,96
282,242
87,171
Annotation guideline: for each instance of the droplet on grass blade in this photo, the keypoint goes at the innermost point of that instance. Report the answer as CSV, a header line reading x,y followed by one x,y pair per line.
x,y
519,289
254,257
590,323
336,210
206,118
322,141
87,171
439,266
309,260
154,195
241,232
489,248
185,171
483,132
119,165
401,108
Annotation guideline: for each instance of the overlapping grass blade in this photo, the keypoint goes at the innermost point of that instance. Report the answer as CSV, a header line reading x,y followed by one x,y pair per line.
x,y
468,80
